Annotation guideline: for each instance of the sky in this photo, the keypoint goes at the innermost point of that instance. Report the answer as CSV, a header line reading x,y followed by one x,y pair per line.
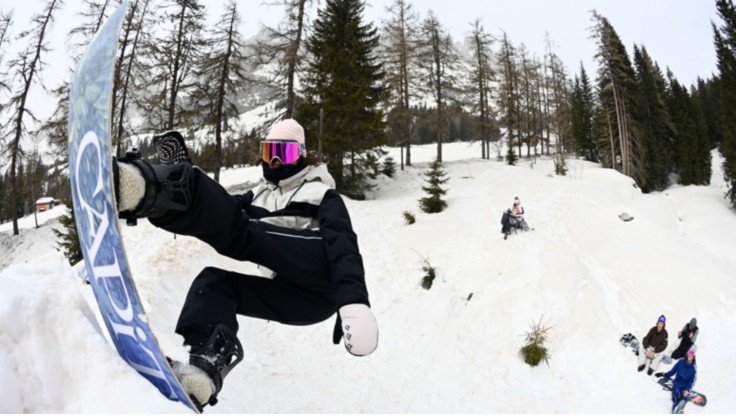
x,y
677,34
588,276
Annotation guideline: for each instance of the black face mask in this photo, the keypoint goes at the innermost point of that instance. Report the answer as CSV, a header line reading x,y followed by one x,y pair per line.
x,y
280,173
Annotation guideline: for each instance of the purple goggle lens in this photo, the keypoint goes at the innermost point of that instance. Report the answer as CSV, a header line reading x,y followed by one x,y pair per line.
x,y
286,152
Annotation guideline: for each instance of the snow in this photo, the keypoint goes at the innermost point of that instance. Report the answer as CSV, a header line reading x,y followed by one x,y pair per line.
x,y
585,273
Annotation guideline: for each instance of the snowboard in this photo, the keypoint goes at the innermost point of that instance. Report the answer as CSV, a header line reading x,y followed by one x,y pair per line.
x,y
694,397
90,173
630,341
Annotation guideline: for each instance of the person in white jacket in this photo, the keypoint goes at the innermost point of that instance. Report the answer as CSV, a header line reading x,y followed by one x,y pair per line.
x,y
294,225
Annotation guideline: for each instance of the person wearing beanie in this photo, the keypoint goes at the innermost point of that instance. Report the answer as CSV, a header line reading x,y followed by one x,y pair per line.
x,y
688,336
293,224
686,373
654,344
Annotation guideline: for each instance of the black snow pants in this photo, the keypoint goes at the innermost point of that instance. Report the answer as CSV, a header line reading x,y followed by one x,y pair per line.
x,y
302,292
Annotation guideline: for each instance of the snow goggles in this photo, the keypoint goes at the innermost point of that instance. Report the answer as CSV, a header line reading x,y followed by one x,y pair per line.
x,y
285,151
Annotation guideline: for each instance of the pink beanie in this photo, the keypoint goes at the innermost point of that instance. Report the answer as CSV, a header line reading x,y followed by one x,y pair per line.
x,y
288,129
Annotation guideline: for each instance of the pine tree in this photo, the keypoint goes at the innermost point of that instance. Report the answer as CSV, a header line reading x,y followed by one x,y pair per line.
x,y
435,178
656,130
343,80
583,111
691,145
67,237
617,87
725,41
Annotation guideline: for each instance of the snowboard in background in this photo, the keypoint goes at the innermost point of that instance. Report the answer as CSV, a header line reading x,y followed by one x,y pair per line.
x,y
631,342
695,397
96,213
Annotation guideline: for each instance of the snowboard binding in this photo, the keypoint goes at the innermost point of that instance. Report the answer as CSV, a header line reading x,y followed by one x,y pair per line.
x,y
167,187
217,357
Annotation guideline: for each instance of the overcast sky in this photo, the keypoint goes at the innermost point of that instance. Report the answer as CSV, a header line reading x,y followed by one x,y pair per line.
x,y
676,33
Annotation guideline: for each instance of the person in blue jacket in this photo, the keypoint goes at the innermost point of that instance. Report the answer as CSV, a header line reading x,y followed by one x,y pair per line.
x,y
686,373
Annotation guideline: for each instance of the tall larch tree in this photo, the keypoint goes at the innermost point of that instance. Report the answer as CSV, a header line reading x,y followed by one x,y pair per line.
x,y
399,50
26,68
282,48
438,72
482,79
172,57
222,75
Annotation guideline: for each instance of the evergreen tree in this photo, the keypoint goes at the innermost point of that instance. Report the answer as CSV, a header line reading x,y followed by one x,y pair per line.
x,y
617,91
656,131
435,178
725,41
583,110
691,146
67,238
343,79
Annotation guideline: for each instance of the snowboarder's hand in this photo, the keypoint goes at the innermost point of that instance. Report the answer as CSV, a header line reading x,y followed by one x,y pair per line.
x,y
685,393
360,329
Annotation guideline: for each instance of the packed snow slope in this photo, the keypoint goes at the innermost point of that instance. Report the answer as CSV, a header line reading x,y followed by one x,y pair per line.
x,y
588,276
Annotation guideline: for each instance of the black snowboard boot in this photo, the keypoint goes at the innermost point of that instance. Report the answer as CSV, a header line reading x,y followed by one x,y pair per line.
x,y
641,368
216,358
145,190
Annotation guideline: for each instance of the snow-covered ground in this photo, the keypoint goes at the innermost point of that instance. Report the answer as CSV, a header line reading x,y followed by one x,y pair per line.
x,y
588,275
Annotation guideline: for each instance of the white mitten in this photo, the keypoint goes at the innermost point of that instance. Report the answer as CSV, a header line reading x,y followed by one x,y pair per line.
x,y
360,329
131,188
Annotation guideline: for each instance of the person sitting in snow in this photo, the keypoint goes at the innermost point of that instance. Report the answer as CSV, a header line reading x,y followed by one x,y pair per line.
x,y
688,335
686,373
293,223
654,344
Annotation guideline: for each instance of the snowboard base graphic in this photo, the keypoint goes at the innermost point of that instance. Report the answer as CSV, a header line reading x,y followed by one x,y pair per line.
x,y
90,173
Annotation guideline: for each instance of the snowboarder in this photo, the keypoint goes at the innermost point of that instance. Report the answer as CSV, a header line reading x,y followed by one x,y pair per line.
x,y
688,335
686,373
654,344
293,224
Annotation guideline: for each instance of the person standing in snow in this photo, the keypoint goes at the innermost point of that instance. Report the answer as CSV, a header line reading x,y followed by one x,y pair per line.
x,y
688,335
654,344
686,373
294,225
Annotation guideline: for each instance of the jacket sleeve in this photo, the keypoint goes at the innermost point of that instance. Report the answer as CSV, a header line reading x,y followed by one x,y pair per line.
x,y
691,383
645,343
674,369
662,343
343,255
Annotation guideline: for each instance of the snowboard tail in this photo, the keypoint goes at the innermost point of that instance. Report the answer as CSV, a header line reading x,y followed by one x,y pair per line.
x,y
90,172
694,397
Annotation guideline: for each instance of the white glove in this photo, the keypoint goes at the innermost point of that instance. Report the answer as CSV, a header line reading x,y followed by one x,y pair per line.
x,y
360,329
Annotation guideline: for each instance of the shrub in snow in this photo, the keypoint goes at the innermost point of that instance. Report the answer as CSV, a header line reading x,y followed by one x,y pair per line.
x,y
534,350
409,218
